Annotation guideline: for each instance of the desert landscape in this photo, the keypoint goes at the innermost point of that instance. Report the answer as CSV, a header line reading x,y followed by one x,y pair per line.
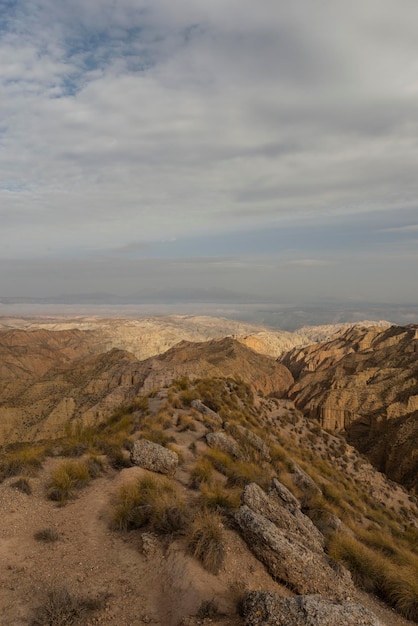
x,y
203,471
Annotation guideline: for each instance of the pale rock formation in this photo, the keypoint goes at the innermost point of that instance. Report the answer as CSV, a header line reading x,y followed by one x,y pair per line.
x,y
292,554
262,608
152,456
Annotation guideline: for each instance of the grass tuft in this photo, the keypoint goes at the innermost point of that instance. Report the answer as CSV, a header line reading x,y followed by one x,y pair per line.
x,y
206,540
65,478
152,500
61,608
46,535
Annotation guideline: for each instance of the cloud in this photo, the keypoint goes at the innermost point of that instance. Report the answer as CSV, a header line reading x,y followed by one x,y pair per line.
x,y
200,121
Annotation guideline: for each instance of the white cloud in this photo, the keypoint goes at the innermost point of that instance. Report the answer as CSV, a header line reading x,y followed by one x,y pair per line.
x,y
142,121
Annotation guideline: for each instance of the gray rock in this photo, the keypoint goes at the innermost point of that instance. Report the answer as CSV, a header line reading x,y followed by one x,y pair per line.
x,y
205,410
289,561
152,456
296,526
263,608
285,496
225,443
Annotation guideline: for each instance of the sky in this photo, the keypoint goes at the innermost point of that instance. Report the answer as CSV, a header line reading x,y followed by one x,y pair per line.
x,y
249,150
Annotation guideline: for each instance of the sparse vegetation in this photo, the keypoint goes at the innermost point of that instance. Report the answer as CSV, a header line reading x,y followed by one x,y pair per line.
x,y
372,571
206,540
24,459
46,535
23,485
62,608
65,478
152,500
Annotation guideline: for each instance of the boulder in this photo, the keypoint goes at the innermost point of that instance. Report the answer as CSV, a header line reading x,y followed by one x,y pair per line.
x,y
289,561
262,608
295,525
225,443
152,456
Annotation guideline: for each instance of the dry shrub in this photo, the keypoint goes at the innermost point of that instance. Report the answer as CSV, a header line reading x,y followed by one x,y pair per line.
x,y
221,461
185,422
206,540
66,478
46,535
152,500
217,497
61,608
23,485
208,608
241,473
201,473
26,460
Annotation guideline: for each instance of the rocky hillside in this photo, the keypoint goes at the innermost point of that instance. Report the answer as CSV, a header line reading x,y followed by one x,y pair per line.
x,y
364,382
203,502
41,392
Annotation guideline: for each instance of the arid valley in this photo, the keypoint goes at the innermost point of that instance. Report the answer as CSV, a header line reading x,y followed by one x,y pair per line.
x,y
197,470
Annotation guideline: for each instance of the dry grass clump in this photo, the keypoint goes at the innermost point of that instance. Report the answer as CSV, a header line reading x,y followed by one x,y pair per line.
x,y
221,461
371,570
46,535
218,497
23,485
61,608
201,473
65,478
206,540
25,460
185,422
241,473
155,501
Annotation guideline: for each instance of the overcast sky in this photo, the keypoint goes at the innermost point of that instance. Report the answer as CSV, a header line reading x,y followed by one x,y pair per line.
x,y
265,148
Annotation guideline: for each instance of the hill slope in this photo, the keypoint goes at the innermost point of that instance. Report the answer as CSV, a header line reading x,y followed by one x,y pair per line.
x,y
365,381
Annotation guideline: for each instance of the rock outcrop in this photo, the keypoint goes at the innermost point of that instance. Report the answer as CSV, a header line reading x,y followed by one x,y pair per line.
x,y
289,545
152,456
261,608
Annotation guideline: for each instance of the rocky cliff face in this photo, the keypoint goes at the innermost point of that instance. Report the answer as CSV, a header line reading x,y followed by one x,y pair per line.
x,y
364,381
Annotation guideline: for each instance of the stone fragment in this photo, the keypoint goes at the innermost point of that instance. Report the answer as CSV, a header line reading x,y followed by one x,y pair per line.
x,y
152,456
225,443
262,608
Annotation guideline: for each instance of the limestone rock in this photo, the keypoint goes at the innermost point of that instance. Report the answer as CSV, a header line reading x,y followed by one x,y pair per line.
x,y
295,526
225,443
289,561
154,457
263,608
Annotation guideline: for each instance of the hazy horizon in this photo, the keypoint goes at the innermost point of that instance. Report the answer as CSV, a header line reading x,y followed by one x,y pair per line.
x,y
267,151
